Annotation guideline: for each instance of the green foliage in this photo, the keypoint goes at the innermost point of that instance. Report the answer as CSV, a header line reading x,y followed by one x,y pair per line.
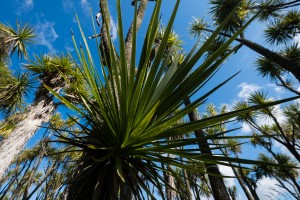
x,y
127,119
128,128
197,26
49,65
267,68
221,8
12,90
15,39
283,29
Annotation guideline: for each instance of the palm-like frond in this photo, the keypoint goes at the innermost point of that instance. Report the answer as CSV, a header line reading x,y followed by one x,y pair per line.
x,y
197,26
292,52
126,119
173,39
221,8
50,64
282,30
269,9
56,71
267,68
12,91
292,115
280,172
18,39
277,32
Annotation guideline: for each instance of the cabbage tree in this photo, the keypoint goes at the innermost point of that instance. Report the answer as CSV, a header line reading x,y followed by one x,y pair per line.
x,y
127,117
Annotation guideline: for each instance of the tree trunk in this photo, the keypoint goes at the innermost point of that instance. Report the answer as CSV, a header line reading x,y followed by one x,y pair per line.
x,y
32,119
188,186
282,61
275,57
219,190
244,187
128,41
170,190
37,114
252,190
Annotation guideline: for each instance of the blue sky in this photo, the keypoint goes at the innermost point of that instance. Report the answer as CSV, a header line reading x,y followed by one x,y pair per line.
x,y
54,19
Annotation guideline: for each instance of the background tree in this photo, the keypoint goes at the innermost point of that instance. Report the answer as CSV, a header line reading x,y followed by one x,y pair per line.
x,y
25,124
282,27
133,138
122,148
284,132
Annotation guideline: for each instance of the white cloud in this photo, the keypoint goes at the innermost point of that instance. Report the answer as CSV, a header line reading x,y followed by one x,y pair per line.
x,y
85,5
278,113
24,6
247,89
227,171
46,34
28,3
282,148
69,49
68,5
245,128
297,38
265,193
277,89
113,31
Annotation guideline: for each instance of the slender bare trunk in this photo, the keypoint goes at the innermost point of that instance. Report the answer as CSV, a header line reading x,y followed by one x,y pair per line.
x,y
170,192
219,190
250,187
140,16
170,189
244,187
280,60
188,186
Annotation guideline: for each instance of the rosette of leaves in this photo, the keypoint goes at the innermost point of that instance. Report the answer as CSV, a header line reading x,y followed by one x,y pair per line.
x,y
126,118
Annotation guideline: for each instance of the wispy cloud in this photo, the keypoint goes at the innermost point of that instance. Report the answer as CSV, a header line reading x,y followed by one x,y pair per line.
x,y
227,171
46,34
247,89
24,6
68,6
85,5
264,192
297,38
113,31
277,89
246,128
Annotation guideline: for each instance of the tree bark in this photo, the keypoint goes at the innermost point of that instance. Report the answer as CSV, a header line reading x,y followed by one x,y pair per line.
x,y
140,16
105,33
170,189
244,187
281,60
38,113
188,186
32,119
219,190
253,192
